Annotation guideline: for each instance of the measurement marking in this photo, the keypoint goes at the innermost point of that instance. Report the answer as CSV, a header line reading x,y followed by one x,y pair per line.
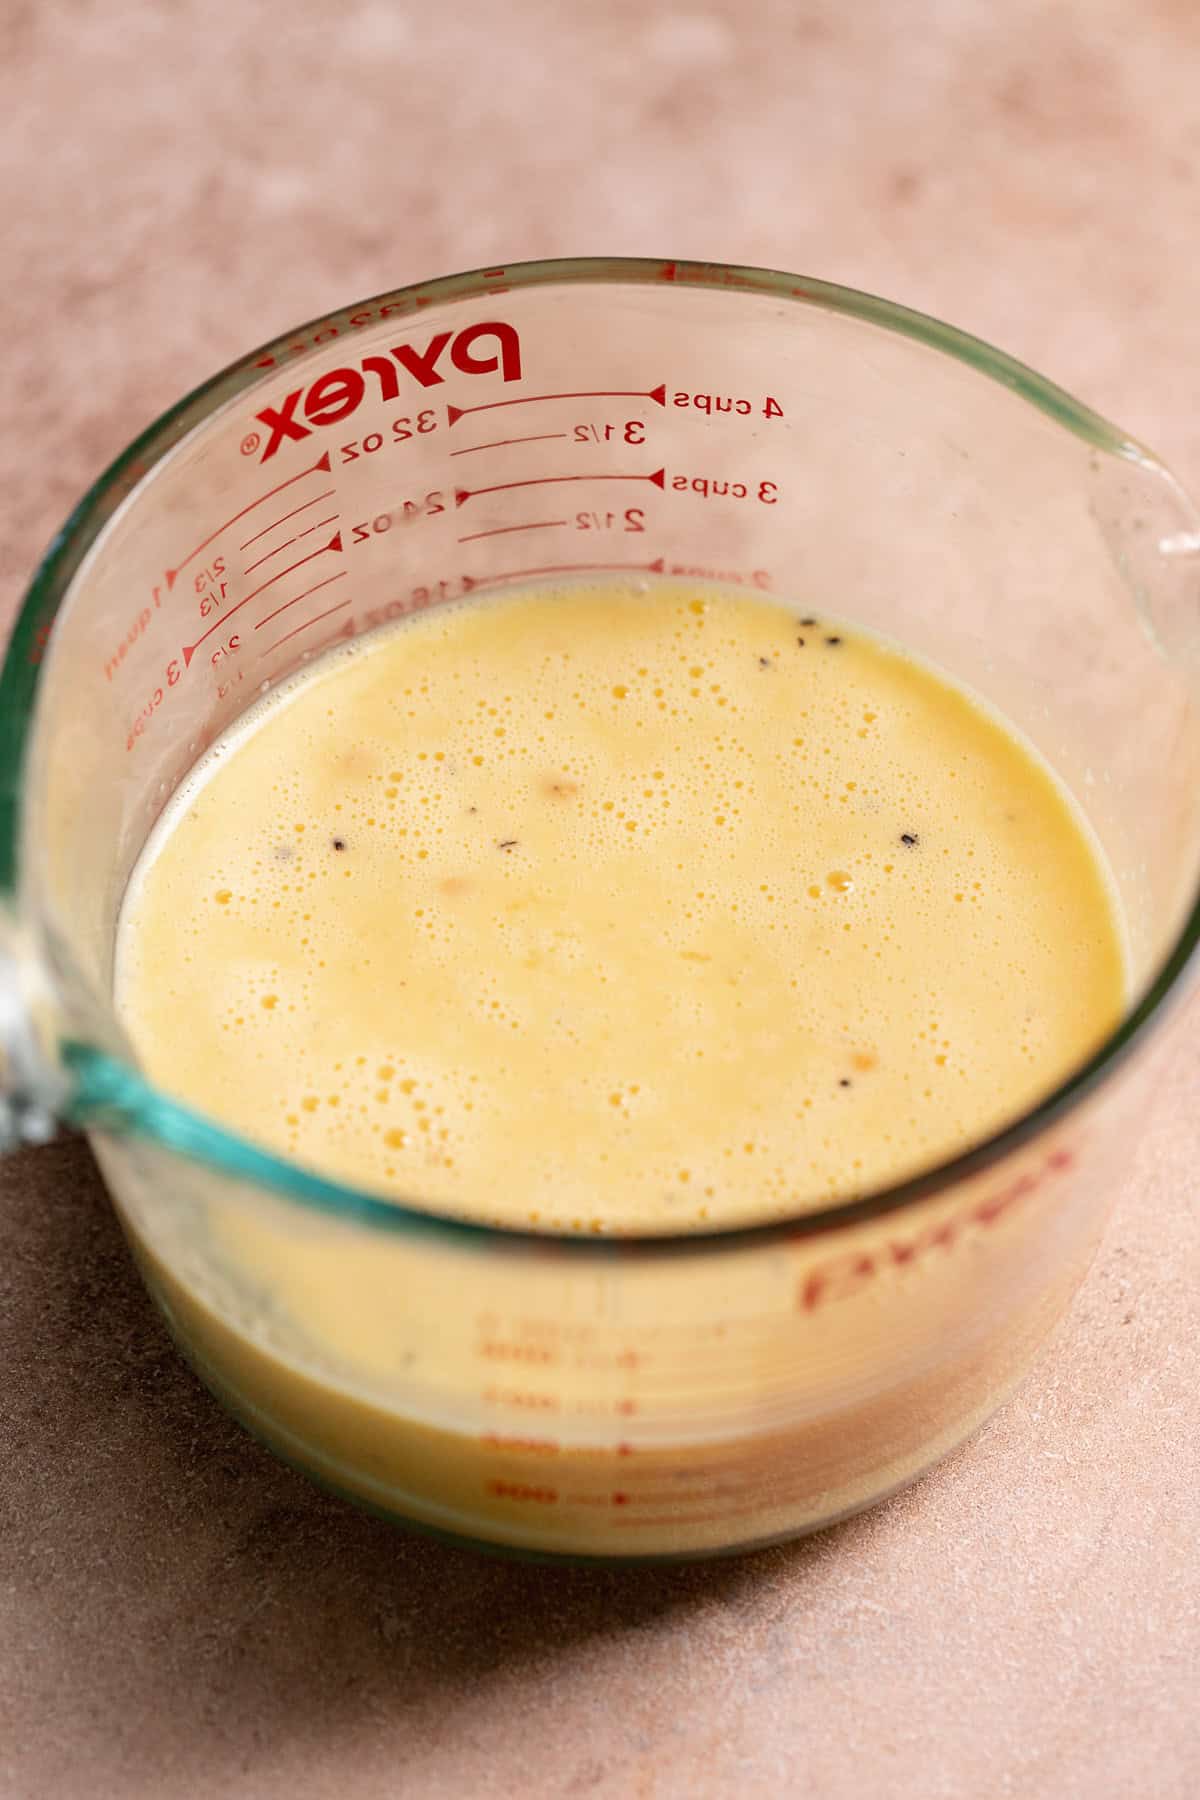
x,y
652,568
721,1515
473,537
287,542
340,607
540,437
322,462
462,495
672,1498
286,517
340,576
657,394
189,650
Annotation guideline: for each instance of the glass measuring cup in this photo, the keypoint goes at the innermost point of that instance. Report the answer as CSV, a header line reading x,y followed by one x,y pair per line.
x,y
642,1397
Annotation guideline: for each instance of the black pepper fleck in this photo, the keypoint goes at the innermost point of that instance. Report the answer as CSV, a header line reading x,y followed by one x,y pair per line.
x,y
809,622
845,1081
339,843
833,640
909,838
764,662
800,641
507,844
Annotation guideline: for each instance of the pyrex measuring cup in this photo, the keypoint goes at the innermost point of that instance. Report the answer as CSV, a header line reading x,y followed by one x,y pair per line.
x,y
654,1396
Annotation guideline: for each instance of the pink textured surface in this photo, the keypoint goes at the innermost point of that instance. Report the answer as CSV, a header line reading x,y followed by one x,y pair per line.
x,y
178,1614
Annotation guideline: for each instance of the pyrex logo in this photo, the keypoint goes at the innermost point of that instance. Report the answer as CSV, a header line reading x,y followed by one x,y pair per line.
x,y
332,397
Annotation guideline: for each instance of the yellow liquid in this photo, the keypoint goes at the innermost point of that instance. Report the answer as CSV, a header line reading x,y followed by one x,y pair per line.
x,y
602,909
617,910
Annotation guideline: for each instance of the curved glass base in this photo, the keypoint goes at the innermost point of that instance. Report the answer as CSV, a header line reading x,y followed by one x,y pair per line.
x,y
400,1510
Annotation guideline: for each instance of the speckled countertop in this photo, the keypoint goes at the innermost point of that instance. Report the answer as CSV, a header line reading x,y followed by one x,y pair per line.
x,y
179,1615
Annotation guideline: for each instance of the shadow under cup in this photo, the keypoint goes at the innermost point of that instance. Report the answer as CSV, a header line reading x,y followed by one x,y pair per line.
x,y
643,1397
